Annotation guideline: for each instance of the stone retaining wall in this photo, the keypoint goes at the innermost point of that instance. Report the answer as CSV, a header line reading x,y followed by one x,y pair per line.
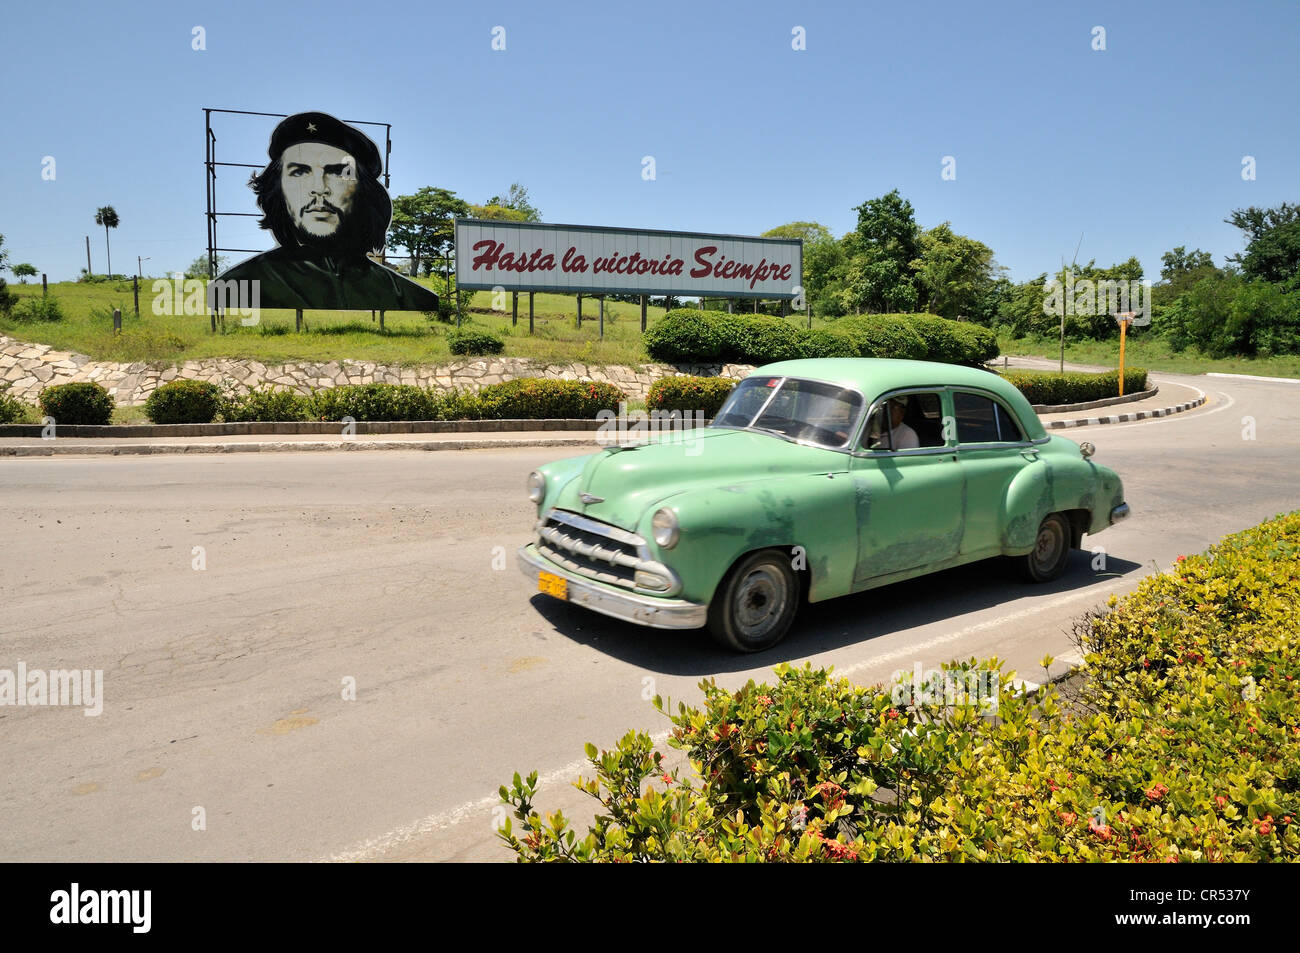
x,y
30,368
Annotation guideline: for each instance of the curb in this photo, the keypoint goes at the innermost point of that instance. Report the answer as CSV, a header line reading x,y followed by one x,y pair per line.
x,y
1122,418
327,428
1093,404
285,446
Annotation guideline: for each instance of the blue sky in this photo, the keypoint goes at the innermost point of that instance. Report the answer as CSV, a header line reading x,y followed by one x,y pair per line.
x,y
1136,148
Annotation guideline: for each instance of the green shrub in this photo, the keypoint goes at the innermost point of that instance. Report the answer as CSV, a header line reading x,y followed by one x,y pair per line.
x,y
267,404
704,394
372,402
822,343
880,335
471,340
976,344
1180,744
82,402
184,402
539,398
1072,387
33,308
690,336
760,339
686,336
455,404
12,410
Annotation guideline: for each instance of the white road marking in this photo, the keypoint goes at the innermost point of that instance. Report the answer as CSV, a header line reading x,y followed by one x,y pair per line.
x,y
481,808
913,650
1252,377
1228,402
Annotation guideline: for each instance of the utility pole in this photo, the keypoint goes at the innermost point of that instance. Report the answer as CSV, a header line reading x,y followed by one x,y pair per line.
x,y
87,254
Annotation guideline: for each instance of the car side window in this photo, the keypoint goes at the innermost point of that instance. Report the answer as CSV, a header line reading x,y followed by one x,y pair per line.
x,y
906,422
982,420
1008,430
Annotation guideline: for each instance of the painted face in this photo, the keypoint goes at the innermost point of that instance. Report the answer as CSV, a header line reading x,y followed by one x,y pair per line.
x,y
319,182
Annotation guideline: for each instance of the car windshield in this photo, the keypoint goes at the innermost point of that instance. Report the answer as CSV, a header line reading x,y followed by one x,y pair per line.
x,y
804,410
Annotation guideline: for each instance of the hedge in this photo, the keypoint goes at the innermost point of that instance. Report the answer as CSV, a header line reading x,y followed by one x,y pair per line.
x,y
537,397
12,410
81,402
267,404
1050,387
705,394
686,335
470,340
1181,743
184,402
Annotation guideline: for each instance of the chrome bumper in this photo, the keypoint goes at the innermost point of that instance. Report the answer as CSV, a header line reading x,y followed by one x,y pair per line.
x,y
658,613
1119,513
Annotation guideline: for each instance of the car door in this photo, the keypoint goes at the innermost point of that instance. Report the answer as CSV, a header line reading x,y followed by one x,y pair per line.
x,y
991,451
909,501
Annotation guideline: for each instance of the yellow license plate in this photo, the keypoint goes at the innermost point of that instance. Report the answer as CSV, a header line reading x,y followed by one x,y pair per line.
x,y
553,585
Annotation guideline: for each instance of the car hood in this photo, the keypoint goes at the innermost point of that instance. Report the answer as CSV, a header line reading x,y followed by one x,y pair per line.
x,y
631,480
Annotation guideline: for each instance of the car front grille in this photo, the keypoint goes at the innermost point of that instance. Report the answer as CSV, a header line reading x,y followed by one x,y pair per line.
x,y
591,548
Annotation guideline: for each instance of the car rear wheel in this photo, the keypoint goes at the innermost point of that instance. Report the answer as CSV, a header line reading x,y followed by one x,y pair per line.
x,y
756,603
1051,549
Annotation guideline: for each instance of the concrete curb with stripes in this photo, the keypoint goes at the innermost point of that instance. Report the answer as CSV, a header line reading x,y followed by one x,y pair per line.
x,y
54,448
1124,418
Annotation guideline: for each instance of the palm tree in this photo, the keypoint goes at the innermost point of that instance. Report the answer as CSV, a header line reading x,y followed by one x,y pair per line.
x,y
107,217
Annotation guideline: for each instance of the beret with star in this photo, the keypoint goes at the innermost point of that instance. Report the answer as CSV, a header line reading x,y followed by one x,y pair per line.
x,y
319,127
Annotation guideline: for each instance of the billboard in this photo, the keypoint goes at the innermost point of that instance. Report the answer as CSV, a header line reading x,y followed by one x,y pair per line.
x,y
322,200
589,259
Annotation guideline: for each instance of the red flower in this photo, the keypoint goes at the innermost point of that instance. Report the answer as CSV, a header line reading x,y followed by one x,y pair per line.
x,y
1067,818
1156,791
892,713
1220,800
667,779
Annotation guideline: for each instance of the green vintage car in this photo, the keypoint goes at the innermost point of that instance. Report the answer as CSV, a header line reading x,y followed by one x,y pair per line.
x,y
816,479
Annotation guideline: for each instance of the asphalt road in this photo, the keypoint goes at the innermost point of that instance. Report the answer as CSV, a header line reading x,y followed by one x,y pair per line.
x,y
224,685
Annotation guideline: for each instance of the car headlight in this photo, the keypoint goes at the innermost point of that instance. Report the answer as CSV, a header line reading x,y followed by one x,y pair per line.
x,y
663,525
536,486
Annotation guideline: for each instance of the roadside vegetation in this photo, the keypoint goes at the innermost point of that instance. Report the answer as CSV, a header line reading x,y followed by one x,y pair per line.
x,y
1180,742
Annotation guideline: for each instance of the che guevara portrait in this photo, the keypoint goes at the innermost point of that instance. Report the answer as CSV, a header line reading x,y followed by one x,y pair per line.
x,y
322,199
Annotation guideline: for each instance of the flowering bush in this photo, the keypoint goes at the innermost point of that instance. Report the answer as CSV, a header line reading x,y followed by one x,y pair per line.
x,y
689,394
539,397
1181,744
81,402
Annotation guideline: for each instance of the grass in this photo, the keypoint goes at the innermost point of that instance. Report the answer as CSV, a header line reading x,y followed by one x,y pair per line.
x,y
408,338
1152,353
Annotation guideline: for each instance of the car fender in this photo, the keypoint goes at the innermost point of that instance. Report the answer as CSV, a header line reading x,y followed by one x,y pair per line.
x,y
810,516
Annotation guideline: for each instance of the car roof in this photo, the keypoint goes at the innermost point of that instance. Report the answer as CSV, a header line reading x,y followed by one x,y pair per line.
x,y
874,376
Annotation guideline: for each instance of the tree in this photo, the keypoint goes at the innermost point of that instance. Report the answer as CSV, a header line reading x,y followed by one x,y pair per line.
x,y
498,213
198,268
879,274
955,273
1272,243
1180,269
1180,261
24,271
425,225
6,299
823,262
516,199
107,217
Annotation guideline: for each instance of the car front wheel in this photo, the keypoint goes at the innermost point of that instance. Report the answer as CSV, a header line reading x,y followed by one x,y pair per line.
x,y
756,603
1051,550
